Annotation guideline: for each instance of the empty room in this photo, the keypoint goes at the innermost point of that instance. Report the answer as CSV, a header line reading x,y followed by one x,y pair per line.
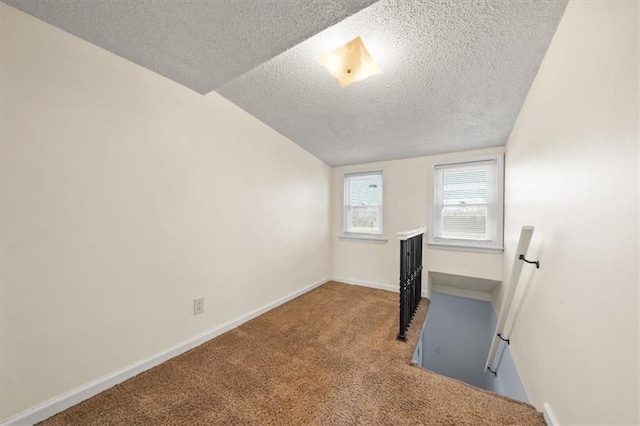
x,y
318,212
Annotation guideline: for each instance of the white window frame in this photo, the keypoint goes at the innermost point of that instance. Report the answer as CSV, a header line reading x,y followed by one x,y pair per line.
x,y
496,206
356,236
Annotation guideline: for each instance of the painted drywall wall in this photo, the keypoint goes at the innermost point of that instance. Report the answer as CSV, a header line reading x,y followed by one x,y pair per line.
x,y
456,338
507,381
124,197
407,189
572,172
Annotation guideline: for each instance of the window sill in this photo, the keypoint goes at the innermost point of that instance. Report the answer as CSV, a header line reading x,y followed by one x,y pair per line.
x,y
489,250
363,238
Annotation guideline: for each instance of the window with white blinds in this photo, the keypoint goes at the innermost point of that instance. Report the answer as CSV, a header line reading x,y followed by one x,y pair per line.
x,y
363,203
467,204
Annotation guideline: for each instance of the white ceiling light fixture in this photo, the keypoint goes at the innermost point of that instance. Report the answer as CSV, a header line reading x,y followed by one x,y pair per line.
x,y
350,63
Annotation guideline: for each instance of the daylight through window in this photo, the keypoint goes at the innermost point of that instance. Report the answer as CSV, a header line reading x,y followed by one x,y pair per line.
x,y
363,203
467,203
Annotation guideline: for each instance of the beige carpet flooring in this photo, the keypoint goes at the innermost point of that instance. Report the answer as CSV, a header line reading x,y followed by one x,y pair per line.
x,y
329,357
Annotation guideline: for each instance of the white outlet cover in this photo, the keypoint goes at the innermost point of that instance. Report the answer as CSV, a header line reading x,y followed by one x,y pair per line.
x,y
198,306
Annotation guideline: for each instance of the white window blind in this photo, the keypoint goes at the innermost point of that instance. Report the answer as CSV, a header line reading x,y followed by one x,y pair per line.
x,y
467,204
363,203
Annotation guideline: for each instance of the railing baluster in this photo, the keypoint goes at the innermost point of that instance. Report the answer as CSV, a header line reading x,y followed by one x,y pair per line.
x,y
410,277
403,293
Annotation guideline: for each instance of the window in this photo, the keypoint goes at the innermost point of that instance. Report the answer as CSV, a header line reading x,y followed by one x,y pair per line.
x,y
363,205
467,203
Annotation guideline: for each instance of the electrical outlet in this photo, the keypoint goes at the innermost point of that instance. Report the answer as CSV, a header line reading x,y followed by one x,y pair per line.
x,y
198,306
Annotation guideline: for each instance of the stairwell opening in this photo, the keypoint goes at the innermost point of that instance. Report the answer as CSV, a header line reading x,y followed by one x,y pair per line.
x,y
456,338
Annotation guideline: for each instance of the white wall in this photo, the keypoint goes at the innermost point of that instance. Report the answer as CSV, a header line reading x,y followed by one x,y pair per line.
x,y
456,338
125,196
406,197
507,382
572,172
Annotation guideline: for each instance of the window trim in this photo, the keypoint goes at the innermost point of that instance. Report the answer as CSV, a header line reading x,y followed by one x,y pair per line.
x,y
359,236
494,246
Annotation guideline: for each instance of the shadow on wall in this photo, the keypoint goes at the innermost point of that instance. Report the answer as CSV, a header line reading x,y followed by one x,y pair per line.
x,y
456,340
507,382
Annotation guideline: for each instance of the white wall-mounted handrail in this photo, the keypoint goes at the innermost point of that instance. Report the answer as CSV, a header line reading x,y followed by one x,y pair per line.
x,y
405,235
523,245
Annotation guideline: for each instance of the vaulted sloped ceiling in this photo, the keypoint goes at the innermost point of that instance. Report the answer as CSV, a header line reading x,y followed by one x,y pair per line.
x,y
201,44
455,72
454,77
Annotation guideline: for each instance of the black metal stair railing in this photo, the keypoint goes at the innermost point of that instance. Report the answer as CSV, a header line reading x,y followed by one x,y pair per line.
x,y
410,281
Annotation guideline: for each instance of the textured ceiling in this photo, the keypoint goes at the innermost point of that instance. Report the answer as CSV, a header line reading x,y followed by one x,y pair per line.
x,y
200,44
455,75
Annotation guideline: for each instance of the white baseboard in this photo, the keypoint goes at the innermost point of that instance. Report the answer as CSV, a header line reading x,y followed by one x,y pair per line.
x,y
62,402
549,417
462,292
371,284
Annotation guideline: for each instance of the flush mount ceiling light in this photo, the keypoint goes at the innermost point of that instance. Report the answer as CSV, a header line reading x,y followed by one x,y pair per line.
x,y
350,63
